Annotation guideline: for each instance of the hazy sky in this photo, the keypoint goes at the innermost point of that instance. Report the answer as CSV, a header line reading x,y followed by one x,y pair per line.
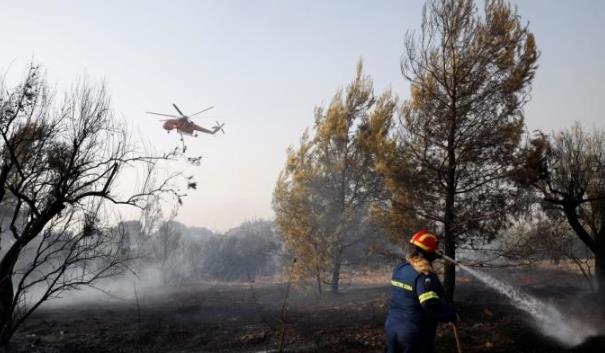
x,y
265,65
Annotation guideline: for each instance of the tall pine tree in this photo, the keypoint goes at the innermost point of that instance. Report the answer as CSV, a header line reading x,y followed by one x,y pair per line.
x,y
470,77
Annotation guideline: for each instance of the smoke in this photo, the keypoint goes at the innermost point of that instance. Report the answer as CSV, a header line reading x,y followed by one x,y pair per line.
x,y
178,255
119,289
567,330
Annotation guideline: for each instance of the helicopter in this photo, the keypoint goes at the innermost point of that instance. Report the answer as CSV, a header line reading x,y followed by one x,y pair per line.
x,y
184,125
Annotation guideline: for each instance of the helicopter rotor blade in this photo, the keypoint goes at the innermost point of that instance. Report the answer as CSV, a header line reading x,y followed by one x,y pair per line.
x,y
208,117
178,110
201,111
171,116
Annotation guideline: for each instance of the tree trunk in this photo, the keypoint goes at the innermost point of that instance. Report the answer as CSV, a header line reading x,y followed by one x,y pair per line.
x,y
599,269
335,277
7,293
599,264
449,275
7,269
599,256
6,314
318,279
596,245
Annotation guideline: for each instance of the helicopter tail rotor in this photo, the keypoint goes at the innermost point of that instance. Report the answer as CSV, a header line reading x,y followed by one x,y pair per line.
x,y
219,127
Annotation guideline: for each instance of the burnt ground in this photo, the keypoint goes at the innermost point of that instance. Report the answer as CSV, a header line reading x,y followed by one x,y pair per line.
x,y
248,318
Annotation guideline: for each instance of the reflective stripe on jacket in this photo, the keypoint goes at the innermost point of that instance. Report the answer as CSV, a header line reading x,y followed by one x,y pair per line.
x,y
417,300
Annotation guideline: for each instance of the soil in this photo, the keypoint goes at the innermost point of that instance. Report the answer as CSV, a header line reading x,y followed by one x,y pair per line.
x,y
249,317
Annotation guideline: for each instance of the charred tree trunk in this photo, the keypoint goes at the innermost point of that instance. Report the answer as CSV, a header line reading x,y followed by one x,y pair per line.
x,y
599,256
6,313
318,279
595,243
7,269
599,265
334,283
7,293
449,275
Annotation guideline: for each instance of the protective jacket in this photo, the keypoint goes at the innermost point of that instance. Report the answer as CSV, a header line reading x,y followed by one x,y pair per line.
x,y
417,303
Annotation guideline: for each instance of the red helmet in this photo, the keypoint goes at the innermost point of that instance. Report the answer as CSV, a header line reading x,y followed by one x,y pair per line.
x,y
426,241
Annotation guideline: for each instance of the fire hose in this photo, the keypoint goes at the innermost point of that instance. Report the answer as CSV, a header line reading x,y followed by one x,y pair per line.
x,y
447,258
456,337
453,325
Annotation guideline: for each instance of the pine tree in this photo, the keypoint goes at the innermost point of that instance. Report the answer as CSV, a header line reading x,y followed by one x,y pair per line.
x,y
470,77
323,195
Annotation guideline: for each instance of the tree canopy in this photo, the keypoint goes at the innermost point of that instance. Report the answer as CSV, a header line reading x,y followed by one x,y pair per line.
x,y
324,193
470,77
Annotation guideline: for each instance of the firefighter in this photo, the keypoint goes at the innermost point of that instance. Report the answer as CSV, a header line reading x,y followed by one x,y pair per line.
x,y
417,301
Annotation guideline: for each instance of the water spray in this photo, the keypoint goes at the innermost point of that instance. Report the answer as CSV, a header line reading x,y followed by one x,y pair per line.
x,y
569,331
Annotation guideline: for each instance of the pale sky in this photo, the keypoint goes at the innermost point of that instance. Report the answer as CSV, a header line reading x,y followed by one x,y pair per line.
x,y
265,65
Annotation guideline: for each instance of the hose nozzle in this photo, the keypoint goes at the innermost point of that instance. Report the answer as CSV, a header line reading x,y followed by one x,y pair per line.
x,y
447,258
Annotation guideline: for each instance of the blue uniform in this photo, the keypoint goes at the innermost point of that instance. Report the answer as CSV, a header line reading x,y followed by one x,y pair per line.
x,y
416,305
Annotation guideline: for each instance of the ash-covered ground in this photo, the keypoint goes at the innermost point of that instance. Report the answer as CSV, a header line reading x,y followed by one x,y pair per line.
x,y
249,317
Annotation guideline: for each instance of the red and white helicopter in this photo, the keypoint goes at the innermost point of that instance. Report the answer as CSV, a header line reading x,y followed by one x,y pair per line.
x,y
184,125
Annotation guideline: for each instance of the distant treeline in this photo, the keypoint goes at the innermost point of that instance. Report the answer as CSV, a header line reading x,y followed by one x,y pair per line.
x,y
253,249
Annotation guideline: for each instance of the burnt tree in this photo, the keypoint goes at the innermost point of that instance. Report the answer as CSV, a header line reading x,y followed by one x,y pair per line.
x,y
470,76
59,166
567,170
